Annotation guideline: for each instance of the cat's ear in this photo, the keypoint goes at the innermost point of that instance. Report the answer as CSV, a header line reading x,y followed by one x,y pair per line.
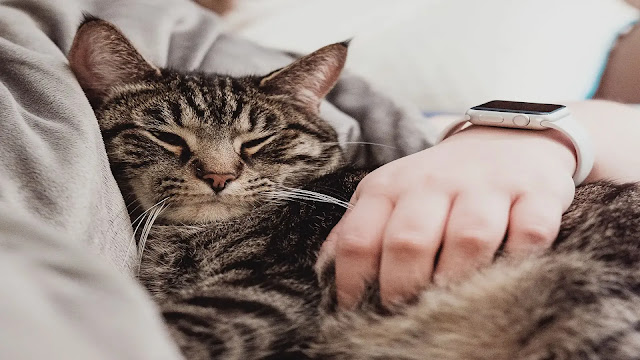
x,y
308,80
101,57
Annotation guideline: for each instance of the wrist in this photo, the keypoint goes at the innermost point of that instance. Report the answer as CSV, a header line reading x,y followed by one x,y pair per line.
x,y
615,130
533,116
548,144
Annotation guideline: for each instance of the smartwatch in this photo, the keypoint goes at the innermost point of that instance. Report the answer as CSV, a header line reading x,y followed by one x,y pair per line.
x,y
532,116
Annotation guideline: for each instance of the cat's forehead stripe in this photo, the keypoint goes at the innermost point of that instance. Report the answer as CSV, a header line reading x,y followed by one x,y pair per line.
x,y
237,87
176,112
194,100
157,114
120,95
253,118
238,110
221,100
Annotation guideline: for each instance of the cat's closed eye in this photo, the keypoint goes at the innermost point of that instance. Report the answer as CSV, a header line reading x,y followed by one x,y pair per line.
x,y
252,146
169,138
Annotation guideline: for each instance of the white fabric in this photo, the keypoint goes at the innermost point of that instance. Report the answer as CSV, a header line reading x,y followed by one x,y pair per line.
x,y
59,204
448,55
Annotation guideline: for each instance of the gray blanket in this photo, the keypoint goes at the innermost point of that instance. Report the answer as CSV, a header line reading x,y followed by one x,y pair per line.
x,y
65,235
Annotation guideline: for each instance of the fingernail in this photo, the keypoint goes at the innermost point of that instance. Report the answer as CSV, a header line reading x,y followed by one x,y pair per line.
x,y
346,301
329,243
440,280
327,252
523,252
394,302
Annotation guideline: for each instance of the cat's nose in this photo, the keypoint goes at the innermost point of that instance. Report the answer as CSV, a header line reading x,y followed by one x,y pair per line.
x,y
218,181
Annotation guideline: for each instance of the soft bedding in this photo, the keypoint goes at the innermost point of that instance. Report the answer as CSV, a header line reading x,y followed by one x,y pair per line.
x,y
66,251
450,55
64,230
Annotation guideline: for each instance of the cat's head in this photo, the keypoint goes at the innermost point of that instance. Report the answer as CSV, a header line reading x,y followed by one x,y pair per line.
x,y
209,146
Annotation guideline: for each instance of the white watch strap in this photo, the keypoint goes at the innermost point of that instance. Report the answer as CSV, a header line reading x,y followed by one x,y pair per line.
x,y
581,143
568,126
452,128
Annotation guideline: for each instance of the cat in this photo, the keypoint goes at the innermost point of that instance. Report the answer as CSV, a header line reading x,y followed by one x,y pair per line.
x,y
222,163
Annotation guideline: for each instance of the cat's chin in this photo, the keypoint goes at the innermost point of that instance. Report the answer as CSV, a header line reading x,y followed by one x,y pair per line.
x,y
203,213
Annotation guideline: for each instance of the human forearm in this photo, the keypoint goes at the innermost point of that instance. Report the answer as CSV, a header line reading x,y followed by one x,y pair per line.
x,y
615,133
614,129
457,201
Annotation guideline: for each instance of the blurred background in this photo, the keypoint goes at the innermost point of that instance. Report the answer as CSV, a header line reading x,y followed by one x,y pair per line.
x,y
447,55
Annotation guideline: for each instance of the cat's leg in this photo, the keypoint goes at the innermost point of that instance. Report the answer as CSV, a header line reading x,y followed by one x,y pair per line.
x,y
557,307
581,300
235,321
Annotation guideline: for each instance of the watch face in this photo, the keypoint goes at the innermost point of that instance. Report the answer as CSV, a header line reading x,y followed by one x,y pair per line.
x,y
519,107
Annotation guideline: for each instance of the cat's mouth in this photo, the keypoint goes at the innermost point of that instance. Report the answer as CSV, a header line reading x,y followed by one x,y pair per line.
x,y
206,207
196,202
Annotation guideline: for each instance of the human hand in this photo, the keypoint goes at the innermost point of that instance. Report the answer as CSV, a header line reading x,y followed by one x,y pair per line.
x,y
461,196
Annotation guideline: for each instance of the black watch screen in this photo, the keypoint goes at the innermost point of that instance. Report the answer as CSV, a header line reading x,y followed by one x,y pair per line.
x,y
518,107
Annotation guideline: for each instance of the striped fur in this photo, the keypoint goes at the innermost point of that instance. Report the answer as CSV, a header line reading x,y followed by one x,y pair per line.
x,y
215,117
233,272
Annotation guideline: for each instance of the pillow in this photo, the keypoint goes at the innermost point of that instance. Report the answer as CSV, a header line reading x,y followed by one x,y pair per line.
x,y
449,55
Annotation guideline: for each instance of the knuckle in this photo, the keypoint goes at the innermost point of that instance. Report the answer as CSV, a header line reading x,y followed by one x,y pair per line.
x,y
353,246
440,182
477,221
376,185
527,185
552,190
567,192
538,235
407,245
473,242
430,179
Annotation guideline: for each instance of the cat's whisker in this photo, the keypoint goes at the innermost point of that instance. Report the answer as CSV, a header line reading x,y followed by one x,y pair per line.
x,y
303,191
303,198
332,192
317,195
279,200
151,218
130,200
282,192
124,213
139,220
134,209
299,194
148,210
359,143
316,198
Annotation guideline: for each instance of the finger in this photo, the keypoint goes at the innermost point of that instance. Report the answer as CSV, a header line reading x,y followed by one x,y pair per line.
x,y
358,247
475,229
410,243
327,251
533,226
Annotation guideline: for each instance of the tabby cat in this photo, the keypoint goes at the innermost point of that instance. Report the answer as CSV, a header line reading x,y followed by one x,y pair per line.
x,y
231,263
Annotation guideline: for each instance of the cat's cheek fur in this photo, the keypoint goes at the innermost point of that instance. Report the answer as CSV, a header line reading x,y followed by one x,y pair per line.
x,y
202,213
